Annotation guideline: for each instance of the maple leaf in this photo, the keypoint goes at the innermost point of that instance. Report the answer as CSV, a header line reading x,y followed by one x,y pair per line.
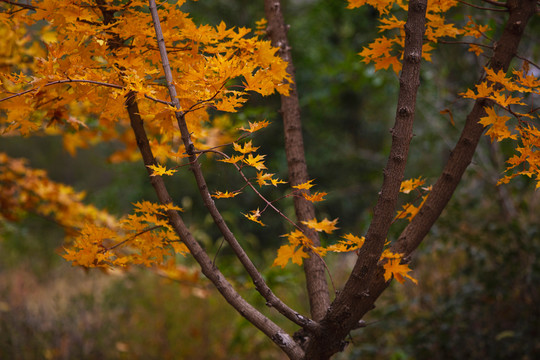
x,y
382,6
297,238
351,242
504,100
393,267
263,178
289,252
410,210
476,49
256,162
408,185
304,186
159,170
387,61
483,90
233,159
498,130
261,27
381,47
247,148
255,126
226,194
325,225
254,216
318,196
171,206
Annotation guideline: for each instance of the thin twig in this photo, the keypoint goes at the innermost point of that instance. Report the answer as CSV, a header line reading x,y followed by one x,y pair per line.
x,y
25,6
132,237
482,7
251,314
271,205
64,81
495,3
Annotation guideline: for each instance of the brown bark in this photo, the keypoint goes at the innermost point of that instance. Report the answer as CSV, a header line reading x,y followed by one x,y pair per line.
x,y
414,233
274,332
260,284
366,282
314,268
343,315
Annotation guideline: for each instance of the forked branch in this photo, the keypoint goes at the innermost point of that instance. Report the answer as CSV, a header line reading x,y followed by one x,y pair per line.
x,y
260,284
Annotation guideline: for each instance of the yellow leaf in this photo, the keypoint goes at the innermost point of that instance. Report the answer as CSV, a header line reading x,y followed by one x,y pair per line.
x,y
289,252
325,225
476,49
159,170
226,194
304,186
254,216
408,185
254,126
318,196
297,238
351,242
393,267
233,159
498,130
256,162
247,148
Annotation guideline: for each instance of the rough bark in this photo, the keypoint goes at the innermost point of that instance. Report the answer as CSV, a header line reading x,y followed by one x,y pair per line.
x,y
260,284
274,332
322,340
415,232
343,315
314,268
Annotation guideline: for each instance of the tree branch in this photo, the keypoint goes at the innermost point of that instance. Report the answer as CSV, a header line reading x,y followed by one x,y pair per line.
x,y
24,6
460,157
279,336
344,315
64,81
314,267
257,278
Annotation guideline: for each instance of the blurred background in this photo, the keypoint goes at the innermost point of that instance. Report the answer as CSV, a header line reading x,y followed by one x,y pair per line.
x,y
478,269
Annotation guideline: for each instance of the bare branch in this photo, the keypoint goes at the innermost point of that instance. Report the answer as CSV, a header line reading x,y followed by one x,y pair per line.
x,y
344,314
273,331
495,3
460,157
485,8
314,267
101,83
24,6
269,328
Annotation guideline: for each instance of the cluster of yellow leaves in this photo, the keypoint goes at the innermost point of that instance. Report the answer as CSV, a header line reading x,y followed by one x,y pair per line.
x,y
409,210
142,238
388,51
511,94
94,237
79,68
247,157
25,190
298,244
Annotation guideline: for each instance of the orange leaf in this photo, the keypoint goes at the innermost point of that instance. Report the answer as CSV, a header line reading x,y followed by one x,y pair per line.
x,y
393,267
325,225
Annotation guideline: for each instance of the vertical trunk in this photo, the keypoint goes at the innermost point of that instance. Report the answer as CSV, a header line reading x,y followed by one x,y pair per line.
x,y
314,267
520,14
344,314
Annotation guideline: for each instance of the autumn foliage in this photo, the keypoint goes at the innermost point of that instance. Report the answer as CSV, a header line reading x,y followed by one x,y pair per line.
x,y
164,87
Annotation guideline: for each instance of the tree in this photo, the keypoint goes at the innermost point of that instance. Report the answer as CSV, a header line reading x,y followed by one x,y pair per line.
x,y
102,70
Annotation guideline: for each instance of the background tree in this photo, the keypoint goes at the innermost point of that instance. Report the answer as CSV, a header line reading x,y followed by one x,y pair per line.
x,y
222,56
